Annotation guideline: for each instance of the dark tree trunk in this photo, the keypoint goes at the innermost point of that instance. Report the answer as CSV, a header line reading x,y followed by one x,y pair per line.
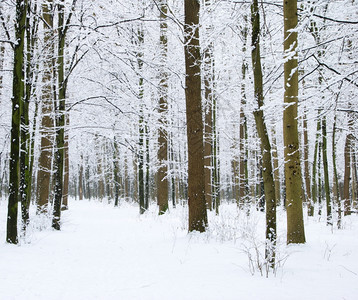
x,y
18,89
196,183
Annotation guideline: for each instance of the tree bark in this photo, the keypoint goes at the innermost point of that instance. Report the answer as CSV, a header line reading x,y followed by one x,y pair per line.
x,y
347,175
293,177
243,160
60,120
267,174
45,158
196,183
18,89
162,190
325,171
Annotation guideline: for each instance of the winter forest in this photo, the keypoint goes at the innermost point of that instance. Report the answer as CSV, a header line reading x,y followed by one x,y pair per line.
x,y
167,149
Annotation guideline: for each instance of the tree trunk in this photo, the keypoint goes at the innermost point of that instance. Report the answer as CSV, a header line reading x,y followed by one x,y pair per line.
x,y
60,120
115,172
267,174
325,170
306,157
216,162
66,167
196,183
162,195
45,159
147,172
293,179
243,160
347,176
18,89
276,170
336,191
80,182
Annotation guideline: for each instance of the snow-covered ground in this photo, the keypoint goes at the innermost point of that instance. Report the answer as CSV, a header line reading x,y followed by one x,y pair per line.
x,y
104,252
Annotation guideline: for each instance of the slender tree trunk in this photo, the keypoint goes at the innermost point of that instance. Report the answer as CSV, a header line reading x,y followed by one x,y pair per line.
x,y
45,159
162,196
354,182
196,183
314,169
208,80
208,149
18,89
147,172
141,164
269,185
66,167
325,170
336,191
216,162
25,148
126,179
293,179
276,170
80,182
306,159
347,175
243,161
115,172
60,121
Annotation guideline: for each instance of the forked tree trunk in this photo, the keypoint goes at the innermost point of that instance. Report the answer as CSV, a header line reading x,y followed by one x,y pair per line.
x,y
196,183
293,177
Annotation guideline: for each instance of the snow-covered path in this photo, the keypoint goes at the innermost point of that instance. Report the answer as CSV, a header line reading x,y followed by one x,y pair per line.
x,y
108,253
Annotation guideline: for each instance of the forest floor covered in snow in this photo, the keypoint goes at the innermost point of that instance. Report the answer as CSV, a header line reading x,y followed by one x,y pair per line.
x,y
104,252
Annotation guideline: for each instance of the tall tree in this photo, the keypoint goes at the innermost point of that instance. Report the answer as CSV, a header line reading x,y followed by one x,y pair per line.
x,y
243,160
293,177
46,129
208,112
162,189
196,183
326,172
60,118
141,191
18,89
267,174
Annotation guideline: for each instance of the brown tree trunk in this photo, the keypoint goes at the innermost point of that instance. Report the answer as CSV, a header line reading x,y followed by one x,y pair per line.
x,y
267,174
196,183
276,170
293,178
66,168
162,190
347,176
46,150
243,159
305,157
